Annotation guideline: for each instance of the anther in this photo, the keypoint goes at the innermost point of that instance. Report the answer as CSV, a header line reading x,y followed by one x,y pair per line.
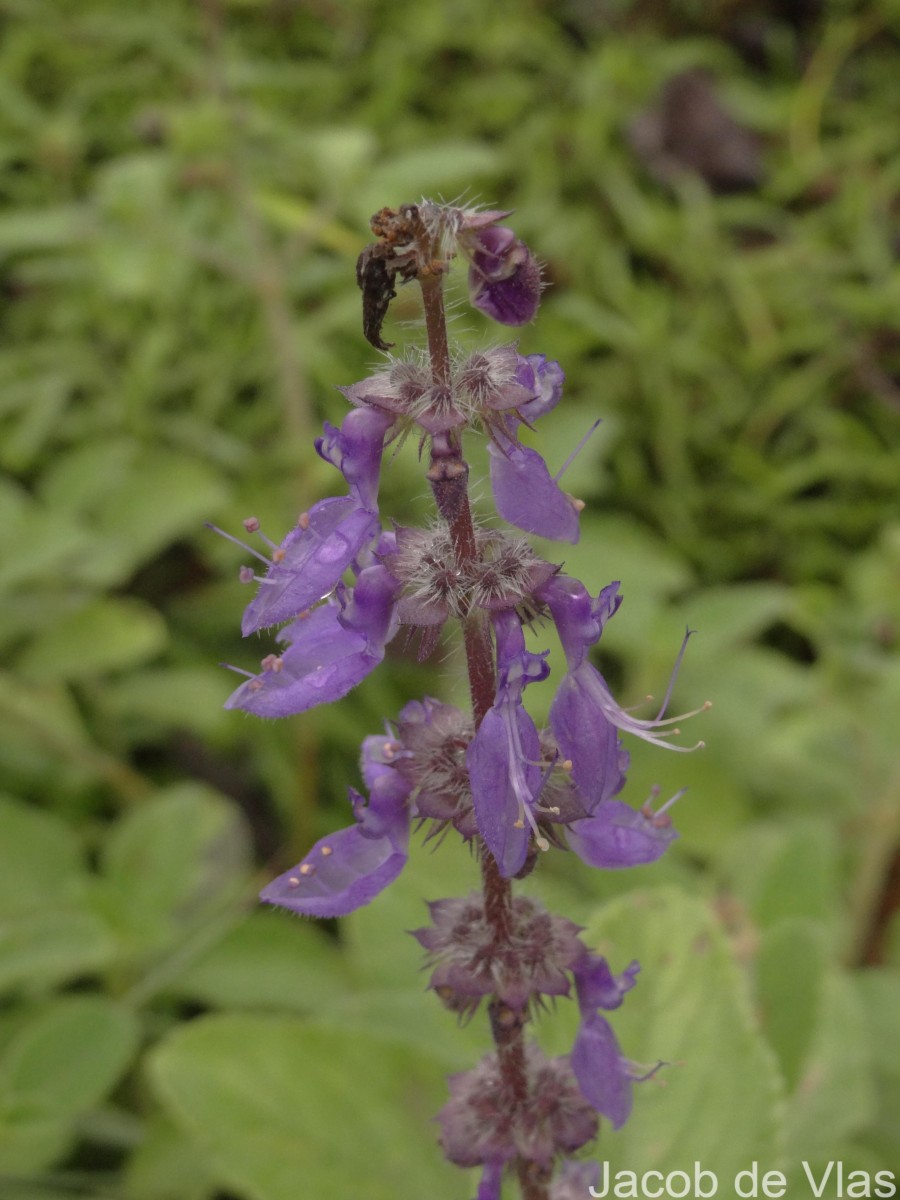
x,y
325,851
251,524
272,663
303,520
294,881
307,869
246,575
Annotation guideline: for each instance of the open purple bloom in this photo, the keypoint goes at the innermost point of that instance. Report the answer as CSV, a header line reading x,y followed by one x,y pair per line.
x,y
584,716
504,276
312,558
603,1075
615,836
310,561
330,651
527,495
348,869
504,756
525,492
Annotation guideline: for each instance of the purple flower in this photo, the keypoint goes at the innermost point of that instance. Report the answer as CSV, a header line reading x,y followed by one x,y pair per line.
x,y
309,563
356,449
525,493
544,379
615,835
327,540
330,650
504,757
348,869
584,717
603,1075
504,276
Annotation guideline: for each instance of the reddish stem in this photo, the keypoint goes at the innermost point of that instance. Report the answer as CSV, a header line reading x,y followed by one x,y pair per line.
x,y
448,475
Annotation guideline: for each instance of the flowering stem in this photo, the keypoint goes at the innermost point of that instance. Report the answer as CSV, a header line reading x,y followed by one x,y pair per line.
x,y
448,476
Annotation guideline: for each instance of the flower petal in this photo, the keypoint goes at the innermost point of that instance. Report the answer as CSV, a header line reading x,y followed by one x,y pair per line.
x,y
324,662
602,1074
617,836
315,556
348,869
589,741
501,761
526,494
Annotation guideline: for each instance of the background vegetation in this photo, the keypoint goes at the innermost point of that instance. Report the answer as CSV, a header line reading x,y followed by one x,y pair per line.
x,y
185,188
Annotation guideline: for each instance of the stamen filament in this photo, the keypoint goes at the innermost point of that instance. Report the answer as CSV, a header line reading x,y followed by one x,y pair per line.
x,y
668,696
237,541
581,445
237,670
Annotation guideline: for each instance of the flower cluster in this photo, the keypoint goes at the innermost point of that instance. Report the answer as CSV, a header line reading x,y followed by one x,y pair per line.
x,y
340,586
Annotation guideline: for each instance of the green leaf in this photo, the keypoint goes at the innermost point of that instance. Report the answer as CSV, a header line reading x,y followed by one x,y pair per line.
x,y
47,933
270,961
40,949
172,863
62,1062
835,1096
105,635
41,863
163,495
39,544
167,1165
790,969
279,1103
785,870
167,698
722,1100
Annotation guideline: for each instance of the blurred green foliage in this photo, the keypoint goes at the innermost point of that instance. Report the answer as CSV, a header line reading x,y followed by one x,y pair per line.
x,y
184,190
